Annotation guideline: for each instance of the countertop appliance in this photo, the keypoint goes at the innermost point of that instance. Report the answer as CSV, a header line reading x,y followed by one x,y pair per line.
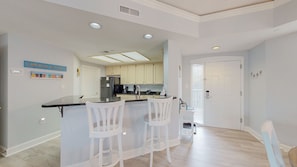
x,y
110,86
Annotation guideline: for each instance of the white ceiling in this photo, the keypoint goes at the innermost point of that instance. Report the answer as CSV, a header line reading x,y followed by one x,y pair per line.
x,y
206,7
68,28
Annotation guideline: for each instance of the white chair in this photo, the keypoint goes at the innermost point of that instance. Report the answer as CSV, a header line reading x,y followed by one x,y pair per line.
x,y
105,121
272,145
159,114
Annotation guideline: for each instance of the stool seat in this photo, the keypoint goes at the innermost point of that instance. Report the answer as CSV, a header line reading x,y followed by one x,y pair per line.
x,y
105,122
159,115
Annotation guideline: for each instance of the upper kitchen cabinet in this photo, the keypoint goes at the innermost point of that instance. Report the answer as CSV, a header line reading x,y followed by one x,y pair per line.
x,y
139,74
158,73
124,74
131,74
113,70
149,74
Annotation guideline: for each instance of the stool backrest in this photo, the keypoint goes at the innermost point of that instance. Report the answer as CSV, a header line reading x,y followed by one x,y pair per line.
x,y
105,119
159,110
272,145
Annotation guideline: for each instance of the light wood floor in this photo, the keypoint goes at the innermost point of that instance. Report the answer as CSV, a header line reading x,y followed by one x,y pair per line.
x,y
212,147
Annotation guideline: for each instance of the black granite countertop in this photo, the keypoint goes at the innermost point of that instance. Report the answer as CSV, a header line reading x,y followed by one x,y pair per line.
x,y
141,93
77,100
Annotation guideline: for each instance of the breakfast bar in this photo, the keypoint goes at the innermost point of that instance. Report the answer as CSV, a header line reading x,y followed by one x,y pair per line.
x,y
75,140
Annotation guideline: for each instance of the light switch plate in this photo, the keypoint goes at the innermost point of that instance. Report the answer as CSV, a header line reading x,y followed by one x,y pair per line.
x,y
16,71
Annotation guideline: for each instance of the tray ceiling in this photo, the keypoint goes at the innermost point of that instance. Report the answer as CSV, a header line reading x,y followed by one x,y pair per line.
x,y
206,7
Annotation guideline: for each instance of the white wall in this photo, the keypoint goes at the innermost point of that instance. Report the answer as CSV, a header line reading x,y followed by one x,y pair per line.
x,y
171,63
26,95
281,63
273,95
3,89
257,88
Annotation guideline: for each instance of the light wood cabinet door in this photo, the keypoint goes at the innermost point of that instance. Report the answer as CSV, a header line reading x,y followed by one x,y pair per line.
x,y
149,73
158,73
131,74
116,70
113,70
139,74
124,75
108,70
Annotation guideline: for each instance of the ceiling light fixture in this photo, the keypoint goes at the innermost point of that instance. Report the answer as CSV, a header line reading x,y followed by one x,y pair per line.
x,y
121,57
216,48
127,57
95,25
136,56
148,36
106,59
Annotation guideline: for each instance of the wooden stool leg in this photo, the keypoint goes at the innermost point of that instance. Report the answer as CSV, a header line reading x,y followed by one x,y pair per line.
x,y
91,149
120,150
100,152
152,146
144,138
167,145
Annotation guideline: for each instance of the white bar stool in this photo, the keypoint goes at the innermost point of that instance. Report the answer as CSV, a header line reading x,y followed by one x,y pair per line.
x,y
105,121
159,116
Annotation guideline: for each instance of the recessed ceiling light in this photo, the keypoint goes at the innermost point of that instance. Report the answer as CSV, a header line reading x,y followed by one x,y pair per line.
x,y
95,25
216,48
148,36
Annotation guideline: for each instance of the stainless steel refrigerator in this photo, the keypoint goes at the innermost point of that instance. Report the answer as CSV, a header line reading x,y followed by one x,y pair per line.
x,y
108,85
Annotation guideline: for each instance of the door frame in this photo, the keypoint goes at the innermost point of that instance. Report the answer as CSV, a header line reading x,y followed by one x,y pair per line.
x,y
82,67
204,60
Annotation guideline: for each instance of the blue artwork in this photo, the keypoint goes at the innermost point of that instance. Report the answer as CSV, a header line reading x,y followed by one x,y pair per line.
x,y
31,64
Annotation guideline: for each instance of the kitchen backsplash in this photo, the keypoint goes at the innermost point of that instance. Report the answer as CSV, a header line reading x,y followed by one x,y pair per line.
x,y
153,88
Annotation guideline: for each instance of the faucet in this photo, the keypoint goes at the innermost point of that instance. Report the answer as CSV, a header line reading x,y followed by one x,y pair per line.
x,y
138,91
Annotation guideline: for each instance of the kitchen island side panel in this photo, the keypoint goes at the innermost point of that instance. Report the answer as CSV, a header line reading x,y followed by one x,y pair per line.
x,y
75,140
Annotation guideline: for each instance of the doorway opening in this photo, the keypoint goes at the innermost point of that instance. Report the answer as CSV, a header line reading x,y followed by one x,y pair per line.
x,y
197,96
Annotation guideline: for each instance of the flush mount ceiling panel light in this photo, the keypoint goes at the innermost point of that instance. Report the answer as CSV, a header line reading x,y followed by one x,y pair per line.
x,y
121,58
127,57
106,59
95,25
136,56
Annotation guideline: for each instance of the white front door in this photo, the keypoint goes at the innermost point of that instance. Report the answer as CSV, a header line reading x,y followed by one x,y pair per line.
x,y
222,94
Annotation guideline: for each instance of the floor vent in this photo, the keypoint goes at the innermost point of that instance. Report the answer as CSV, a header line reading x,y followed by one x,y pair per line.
x,y
129,11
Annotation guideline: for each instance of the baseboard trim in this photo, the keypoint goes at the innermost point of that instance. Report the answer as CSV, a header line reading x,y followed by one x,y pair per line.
x,y
129,154
253,133
30,144
284,147
2,151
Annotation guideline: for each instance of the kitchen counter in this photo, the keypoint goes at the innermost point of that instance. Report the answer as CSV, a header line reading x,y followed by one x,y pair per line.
x,y
75,141
77,100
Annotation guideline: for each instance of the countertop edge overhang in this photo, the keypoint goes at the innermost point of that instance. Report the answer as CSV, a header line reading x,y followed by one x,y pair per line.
x,y
77,100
